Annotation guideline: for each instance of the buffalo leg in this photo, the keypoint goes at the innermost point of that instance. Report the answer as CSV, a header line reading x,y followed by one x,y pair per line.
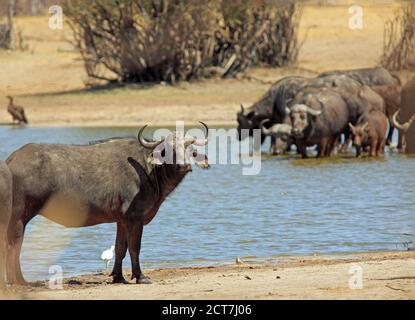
x,y
331,146
120,251
5,213
358,151
273,147
322,147
373,148
134,236
381,147
302,149
390,133
15,239
346,143
3,255
401,140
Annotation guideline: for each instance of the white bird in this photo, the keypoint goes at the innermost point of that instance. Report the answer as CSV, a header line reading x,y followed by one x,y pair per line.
x,y
107,256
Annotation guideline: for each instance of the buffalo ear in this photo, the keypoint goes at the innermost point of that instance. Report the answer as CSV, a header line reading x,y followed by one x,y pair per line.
x,y
141,172
134,163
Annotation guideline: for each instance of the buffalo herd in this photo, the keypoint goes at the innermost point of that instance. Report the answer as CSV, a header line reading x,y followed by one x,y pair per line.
x,y
362,106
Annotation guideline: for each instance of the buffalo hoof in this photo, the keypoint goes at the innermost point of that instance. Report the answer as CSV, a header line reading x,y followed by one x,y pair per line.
x,y
119,279
144,280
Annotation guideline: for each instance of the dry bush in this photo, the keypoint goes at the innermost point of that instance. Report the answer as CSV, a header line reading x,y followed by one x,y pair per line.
x,y
399,40
11,37
146,41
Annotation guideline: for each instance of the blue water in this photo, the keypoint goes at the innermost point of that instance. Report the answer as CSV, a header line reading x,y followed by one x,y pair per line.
x,y
293,207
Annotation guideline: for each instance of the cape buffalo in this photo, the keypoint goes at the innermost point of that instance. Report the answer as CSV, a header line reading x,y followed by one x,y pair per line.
x,y
5,213
370,131
368,76
361,100
392,96
271,106
403,128
407,112
120,180
318,117
280,133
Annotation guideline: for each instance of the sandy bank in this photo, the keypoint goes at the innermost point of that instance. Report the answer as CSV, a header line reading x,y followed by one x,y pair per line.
x,y
385,275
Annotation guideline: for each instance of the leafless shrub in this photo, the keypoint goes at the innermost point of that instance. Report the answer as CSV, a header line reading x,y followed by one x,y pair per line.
x,y
7,29
144,40
399,40
11,37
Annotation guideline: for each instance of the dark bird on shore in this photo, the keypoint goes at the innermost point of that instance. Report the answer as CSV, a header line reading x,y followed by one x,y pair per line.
x,y
17,112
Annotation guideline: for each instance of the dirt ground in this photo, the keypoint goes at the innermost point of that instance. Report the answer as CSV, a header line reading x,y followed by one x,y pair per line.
x,y
384,275
49,80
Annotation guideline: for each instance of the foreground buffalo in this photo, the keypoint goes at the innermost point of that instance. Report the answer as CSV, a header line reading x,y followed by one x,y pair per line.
x,y
119,180
5,213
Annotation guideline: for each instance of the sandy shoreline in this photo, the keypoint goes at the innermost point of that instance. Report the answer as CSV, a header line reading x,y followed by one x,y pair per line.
x,y
385,275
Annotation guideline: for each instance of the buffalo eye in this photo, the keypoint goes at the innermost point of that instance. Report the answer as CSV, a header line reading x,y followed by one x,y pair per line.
x,y
194,154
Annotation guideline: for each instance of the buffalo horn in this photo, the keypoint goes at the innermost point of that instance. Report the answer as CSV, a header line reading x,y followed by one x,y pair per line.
x,y
404,127
147,144
204,141
265,131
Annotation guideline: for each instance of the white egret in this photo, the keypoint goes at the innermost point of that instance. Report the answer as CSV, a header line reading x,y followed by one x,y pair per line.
x,y
107,256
